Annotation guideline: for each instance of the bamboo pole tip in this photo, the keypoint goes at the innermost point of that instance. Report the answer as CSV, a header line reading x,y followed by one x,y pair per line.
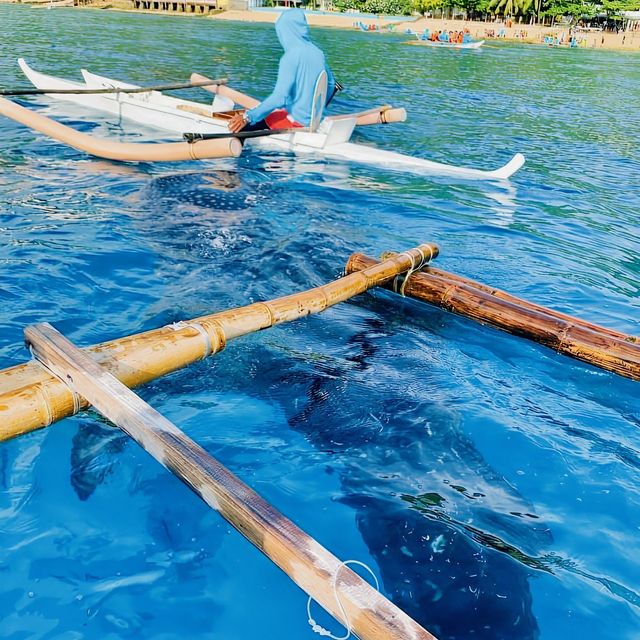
x,y
235,147
424,252
350,267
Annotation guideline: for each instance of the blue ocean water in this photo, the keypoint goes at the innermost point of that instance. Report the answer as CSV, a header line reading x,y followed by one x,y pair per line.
x,y
490,483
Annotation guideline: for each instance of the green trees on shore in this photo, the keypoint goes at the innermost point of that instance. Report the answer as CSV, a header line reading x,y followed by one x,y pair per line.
x,y
526,9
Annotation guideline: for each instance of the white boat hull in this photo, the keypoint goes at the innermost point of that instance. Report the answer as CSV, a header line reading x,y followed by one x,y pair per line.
x,y
167,113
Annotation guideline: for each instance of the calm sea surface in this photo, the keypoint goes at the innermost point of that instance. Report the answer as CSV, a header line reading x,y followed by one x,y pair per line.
x,y
491,484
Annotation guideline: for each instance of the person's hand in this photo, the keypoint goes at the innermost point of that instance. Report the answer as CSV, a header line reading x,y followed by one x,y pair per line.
x,y
237,123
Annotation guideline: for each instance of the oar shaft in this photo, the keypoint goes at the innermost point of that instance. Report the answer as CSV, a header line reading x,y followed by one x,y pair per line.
x,y
242,135
160,87
31,398
586,341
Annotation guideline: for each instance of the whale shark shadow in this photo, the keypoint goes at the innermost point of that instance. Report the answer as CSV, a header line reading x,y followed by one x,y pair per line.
x,y
455,543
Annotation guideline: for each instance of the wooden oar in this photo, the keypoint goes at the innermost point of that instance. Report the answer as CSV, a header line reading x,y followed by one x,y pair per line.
x,y
159,87
242,135
31,398
586,341
343,593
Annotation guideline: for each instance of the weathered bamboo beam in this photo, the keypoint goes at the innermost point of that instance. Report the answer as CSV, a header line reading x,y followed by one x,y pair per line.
x,y
586,341
31,398
312,567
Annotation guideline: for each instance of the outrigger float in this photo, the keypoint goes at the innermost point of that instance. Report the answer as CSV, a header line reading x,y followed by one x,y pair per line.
x,y
153,108
63,380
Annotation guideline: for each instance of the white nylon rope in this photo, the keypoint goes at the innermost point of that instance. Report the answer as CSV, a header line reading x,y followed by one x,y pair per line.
x,y
75,396
321,631
176,326
415,266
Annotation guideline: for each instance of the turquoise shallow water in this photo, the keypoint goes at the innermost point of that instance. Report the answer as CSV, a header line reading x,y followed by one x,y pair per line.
x,y
490,483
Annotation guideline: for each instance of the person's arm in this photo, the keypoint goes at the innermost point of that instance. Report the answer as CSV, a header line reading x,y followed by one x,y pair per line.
x,y
280,93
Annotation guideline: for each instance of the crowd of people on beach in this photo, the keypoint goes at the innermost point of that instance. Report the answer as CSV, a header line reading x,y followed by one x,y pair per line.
x,y
492,33
453,37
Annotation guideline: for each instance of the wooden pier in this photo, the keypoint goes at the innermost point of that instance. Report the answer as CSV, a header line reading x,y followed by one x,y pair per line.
x,y
202,7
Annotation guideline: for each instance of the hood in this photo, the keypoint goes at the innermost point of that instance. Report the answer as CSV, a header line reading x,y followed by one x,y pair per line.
x,y
292,27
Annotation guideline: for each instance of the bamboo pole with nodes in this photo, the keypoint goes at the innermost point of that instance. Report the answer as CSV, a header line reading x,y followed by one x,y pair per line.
x,y
32,398
586,341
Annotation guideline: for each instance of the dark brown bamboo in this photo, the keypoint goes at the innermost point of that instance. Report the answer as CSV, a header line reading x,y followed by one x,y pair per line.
x,y
503,295
586,341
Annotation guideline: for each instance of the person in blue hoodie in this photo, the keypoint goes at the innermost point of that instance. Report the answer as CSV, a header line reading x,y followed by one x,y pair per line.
x,y
290,102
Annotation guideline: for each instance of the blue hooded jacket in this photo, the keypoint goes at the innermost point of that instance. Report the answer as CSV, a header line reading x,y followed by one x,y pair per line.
x,y
298,71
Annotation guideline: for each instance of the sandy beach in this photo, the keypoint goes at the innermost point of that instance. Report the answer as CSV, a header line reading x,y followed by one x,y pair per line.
x,y
522,33
516,33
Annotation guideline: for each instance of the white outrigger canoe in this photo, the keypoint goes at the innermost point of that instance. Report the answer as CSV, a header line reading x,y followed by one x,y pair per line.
x,y
167,113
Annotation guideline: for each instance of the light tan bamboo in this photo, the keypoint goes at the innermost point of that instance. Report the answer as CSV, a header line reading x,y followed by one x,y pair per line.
x,y
310,565
586,341
126,152
384,114
31,398
222,89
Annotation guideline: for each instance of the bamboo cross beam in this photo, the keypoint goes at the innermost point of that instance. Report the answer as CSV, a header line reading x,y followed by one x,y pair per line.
x,y
237,96
314,569
32,398
586,341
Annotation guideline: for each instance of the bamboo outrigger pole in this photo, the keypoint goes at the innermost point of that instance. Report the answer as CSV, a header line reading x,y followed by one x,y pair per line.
x,y
313,568
599,346
31,397
123,151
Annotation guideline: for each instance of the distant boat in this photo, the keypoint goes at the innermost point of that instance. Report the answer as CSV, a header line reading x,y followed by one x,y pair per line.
x,y
448,45
368,27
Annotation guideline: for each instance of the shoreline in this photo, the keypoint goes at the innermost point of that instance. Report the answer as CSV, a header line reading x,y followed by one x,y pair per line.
x,y
533,34
516,34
